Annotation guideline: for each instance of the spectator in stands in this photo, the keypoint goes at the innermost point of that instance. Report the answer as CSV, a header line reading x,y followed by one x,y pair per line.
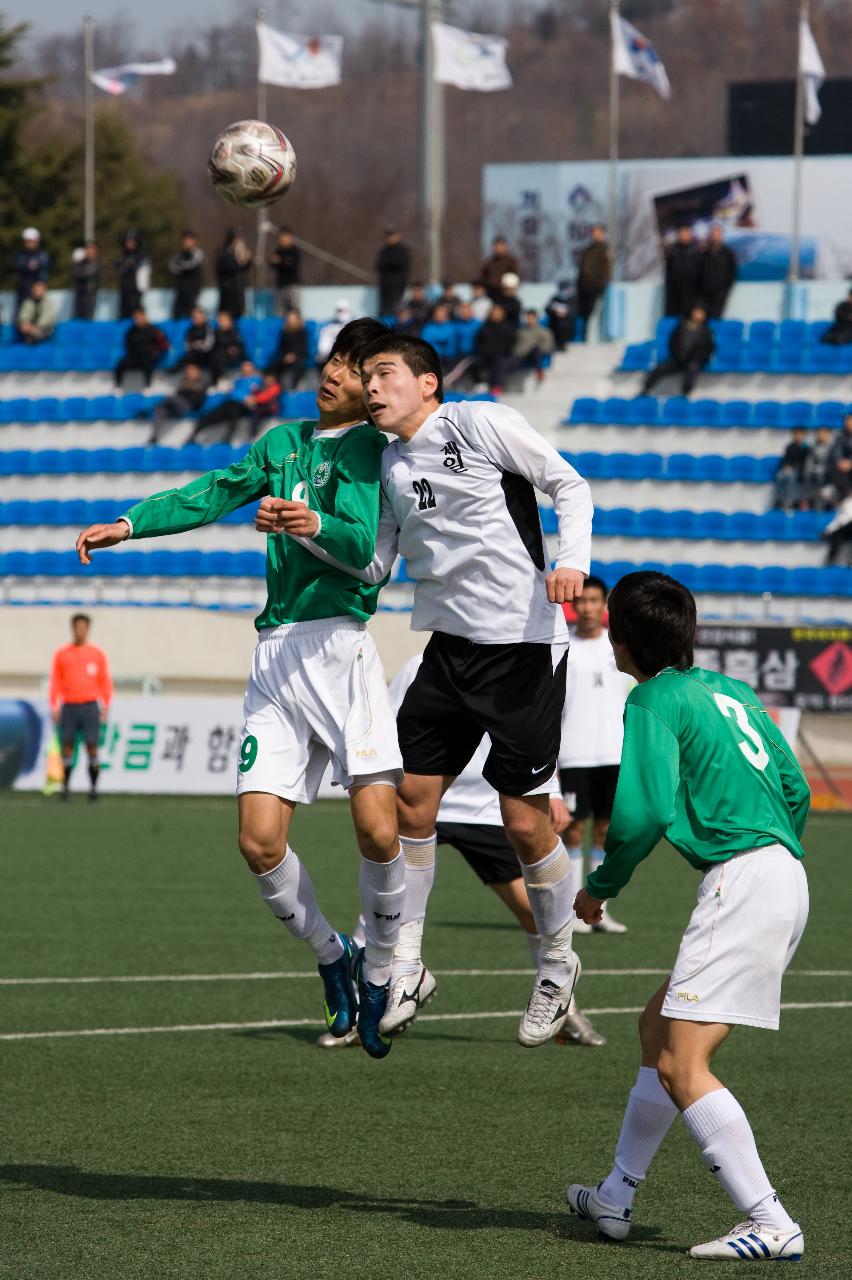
x,y
86,274
144,346
533,342
449,298
232,264
683,266
492,351
818,494
188,397
790,475
37,316
286,263
508,297
228,348
328,332
291,358
594,272
187,269
255,397
496,265
419,306
467,327
481,304
717,274
198,341
560,314
838,534
691,346
839,334
443,335
31,264
393,268
133,268
841,461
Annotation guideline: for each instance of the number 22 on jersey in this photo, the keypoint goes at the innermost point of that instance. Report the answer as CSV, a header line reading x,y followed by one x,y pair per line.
x,y
425,496
756,754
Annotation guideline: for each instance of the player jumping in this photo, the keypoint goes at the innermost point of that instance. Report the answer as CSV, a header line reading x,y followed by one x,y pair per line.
x,y
317,692
705,766
460,483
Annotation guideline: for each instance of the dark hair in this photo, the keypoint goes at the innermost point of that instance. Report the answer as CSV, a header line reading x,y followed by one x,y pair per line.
x,y
420,357
593,581
80,617
188,231
654,617
354,337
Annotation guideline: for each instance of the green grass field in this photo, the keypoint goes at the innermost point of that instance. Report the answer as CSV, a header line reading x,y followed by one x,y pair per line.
x,y
219,1148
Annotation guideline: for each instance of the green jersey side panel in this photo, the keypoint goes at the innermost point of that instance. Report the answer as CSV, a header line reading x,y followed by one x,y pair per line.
x,y
705,766
337,476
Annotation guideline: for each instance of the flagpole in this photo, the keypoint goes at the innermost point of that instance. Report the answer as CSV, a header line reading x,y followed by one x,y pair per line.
x,y
89,129
798,153
432,143
613,142
260,236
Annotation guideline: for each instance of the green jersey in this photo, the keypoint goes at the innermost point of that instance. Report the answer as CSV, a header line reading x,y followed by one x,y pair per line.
x,y
334,472
705,766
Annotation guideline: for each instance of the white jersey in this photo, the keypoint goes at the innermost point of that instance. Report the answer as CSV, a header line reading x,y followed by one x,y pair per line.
x,y
470,799
462,495
593,715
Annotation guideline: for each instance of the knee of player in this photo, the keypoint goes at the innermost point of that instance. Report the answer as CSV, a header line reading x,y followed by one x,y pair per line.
x,y
522,825
262,852
670,1071
379,838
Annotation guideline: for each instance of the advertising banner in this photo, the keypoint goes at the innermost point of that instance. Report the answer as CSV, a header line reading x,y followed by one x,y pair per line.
x,y
805,667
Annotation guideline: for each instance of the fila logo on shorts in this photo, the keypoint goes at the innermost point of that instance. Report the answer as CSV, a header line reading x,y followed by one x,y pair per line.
x,y
453,460
688,995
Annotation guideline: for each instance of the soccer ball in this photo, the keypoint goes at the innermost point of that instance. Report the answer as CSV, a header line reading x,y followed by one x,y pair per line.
x,y
251,164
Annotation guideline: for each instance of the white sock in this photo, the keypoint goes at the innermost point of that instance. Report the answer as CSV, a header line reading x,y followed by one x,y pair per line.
x,y
576,859
382,887
420,866
359,936
596,857
647,1119
289,893
548,884
719,1125
534,944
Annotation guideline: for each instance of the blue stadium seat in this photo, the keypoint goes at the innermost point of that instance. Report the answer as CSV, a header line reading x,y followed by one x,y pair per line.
x,y
676,412
584,410
299,404
825,359
766,468
665,328
787,360
638,357
549,522
682,466
792,333
829,413
713,468
705,413
614,410
728,332
737,413
774,580
653,523
798,413
651,466
768,413
714,525
644,411
743,579
742,468
762,333
815,331
615,522
591,465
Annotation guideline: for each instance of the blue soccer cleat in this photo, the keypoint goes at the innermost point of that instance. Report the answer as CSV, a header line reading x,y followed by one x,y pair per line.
x,y
372,1001
341,1000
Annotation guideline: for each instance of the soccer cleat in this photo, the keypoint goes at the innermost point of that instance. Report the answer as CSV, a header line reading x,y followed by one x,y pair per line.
x,y
750,1242
580,926
608,925
406,998
372,1001
610,1220
341,1001
579,1030
350,1041
548,1009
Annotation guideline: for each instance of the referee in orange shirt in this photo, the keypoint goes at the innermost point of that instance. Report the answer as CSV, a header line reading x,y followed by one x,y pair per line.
x,y
80,694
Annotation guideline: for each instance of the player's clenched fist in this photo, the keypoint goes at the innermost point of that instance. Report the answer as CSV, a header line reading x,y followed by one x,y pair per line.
x,y
277,515
588,908
564,585
101,535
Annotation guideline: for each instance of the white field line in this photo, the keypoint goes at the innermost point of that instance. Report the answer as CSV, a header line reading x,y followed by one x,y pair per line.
x,y
286,1023
296,974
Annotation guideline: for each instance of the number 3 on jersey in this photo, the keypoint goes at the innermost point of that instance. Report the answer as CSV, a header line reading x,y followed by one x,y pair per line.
x,y
425,496
758,755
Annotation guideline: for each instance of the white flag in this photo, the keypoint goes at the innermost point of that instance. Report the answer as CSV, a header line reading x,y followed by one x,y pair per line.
x,y
633,55
117,80
298,62
468,60
812,72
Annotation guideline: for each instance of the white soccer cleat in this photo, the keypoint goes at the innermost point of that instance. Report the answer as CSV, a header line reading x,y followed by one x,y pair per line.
x,y
579,1030
580,926
750,1242
406,998
607,924
350,1041
612,1222
548,1009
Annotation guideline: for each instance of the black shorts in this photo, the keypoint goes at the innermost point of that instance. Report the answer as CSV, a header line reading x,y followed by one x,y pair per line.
x,y
485,849
464,690
589,791
80,719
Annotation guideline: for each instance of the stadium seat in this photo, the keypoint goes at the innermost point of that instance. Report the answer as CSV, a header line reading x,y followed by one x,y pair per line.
x,y
797,413
682,466
829,413
705,413
742,468
584,410
767,413
614,410
676,412
644,411
737,413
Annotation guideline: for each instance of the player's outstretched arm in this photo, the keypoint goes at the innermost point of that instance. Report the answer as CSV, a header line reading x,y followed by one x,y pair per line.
x,y
100,536
385,546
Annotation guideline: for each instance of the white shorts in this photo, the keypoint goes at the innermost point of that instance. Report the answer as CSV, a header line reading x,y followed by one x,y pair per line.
x,y
751,913
316,694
